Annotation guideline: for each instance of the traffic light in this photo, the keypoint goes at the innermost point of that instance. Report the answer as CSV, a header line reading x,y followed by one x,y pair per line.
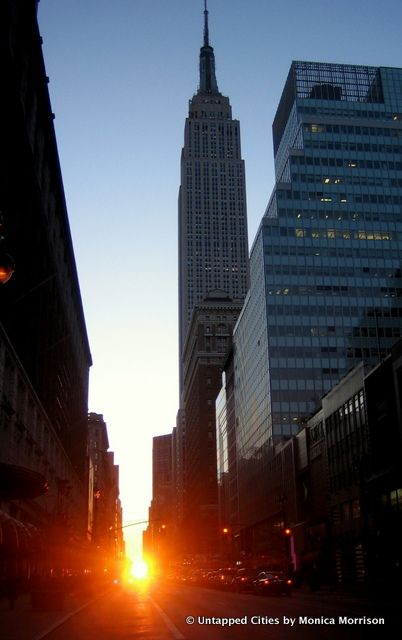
x,y
287,532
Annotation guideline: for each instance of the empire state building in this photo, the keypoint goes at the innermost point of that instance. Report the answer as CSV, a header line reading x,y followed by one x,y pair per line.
x,y
213,244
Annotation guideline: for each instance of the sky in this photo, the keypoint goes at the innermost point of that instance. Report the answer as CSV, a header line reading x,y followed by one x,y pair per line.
x,y
121,75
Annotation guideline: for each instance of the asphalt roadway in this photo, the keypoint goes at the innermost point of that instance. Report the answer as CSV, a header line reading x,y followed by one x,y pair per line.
x,y
169,611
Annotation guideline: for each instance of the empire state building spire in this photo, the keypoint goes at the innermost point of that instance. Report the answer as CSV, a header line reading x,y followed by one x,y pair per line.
x,y
208,82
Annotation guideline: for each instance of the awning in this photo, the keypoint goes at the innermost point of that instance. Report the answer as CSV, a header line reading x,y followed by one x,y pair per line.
x,y
15,536
20,482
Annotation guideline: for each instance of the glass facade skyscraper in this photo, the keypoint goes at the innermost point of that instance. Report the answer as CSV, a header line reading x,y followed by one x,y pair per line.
x,y
326,288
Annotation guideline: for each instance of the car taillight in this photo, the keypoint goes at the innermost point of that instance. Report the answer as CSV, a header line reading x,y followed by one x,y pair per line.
x,y
266,581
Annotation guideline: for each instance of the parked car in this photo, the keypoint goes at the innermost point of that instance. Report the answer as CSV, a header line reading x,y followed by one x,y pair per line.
x,y
225,578
273,584
211,578
244,579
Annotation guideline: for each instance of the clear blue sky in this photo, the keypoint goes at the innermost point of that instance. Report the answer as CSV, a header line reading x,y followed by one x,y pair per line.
x,y
121,74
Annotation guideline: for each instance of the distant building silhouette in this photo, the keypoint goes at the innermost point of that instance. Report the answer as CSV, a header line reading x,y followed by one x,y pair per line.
x,y
104,506
209,340
160,536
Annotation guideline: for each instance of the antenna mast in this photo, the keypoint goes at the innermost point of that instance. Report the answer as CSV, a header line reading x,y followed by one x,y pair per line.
x,y
206,33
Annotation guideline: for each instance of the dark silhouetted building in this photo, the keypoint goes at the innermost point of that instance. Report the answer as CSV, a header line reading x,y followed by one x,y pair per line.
x,y
350,508
159,538
40,308
209,340
162,480
44,351
104,507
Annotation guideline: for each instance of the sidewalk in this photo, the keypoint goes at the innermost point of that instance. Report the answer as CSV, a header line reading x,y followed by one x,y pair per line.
x,y
336,593
22,623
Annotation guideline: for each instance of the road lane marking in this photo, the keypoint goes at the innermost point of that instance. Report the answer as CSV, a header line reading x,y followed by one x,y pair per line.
x,y
170,625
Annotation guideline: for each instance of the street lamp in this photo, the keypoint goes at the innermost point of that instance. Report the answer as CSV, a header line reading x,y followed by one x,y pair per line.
x,y
7,266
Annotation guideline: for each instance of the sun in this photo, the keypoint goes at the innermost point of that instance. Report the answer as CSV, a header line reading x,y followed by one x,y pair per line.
x,y
139,569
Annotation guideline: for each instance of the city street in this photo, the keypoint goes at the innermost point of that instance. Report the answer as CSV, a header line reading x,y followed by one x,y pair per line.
x,y
162,612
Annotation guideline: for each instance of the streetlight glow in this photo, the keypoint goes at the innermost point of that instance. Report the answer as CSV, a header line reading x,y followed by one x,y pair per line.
x,y
6,268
